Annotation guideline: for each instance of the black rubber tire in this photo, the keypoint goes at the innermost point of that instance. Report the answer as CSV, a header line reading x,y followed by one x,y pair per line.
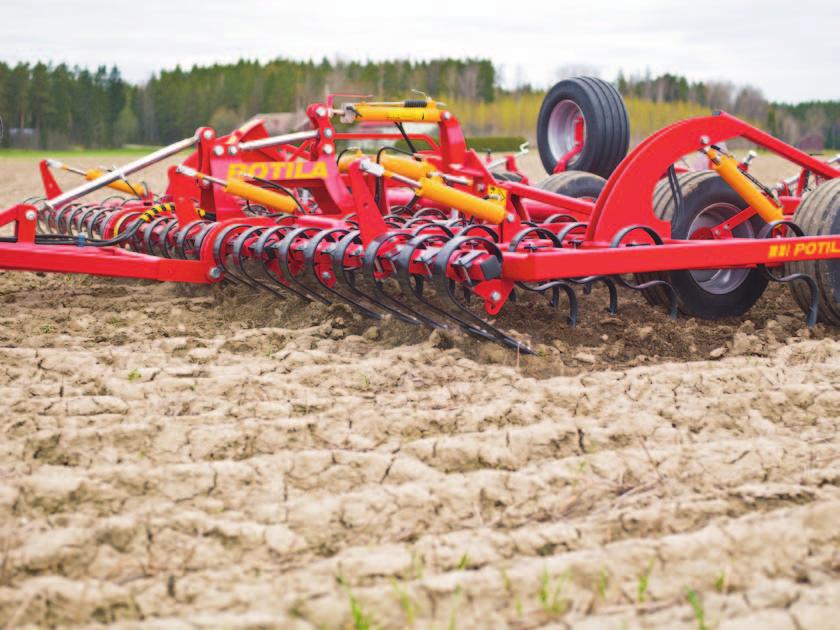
x,y
577,184
700,190
818,214
507,176
607,125
663,208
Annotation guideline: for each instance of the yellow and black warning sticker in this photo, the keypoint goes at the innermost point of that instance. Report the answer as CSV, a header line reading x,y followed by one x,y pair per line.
x,y
497,195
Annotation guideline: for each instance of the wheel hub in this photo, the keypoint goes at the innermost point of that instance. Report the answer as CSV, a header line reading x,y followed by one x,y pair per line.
x,y
561,128
719,281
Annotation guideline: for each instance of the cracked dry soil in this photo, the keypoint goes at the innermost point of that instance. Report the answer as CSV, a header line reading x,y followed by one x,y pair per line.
x,y
177,457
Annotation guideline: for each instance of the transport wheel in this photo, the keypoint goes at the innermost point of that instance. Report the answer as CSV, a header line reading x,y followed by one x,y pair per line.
x,y
577,184
706,293
606,126
507,176
819,214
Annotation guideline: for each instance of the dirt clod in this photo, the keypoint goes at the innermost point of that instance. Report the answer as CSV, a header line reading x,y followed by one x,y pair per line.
x,y
254,463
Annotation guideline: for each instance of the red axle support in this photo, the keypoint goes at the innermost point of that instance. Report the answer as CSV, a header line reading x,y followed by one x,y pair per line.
x,y
580,134
628,194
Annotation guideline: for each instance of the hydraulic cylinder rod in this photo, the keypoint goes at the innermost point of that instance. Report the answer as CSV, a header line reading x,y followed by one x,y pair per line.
x,y
119,174
443,194
727,167
273,141
130,188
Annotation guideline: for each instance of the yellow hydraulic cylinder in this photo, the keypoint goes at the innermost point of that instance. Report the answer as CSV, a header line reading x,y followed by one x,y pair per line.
x,y
133,189
268,198
727,167
406,166
347,159
464,202
395,113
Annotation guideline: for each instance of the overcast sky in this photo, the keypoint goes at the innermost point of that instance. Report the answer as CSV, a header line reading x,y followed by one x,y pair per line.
x,y
789,50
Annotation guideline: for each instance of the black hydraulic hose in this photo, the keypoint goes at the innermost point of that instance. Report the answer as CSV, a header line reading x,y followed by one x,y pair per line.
x,y
377,193
405,137
276,186
83,241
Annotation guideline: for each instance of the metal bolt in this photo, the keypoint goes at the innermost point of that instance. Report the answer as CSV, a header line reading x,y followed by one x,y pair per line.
x,y
321,111
447,115
30,215
208,134
509,218
495,296
328,133
325,275
215,273
704,140
328,149
233,150
218,150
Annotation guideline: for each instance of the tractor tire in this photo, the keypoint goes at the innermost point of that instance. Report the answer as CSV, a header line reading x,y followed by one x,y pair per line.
x,y
710,293
607,126
818,214
577,184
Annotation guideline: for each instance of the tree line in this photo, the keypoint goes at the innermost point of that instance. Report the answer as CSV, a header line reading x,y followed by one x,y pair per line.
x,y
60,106
56,106
813,125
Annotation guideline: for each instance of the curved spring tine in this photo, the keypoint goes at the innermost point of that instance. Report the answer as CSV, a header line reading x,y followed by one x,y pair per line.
x,y
372,261
445,284
73,220
72,216
264,252
587,283
480,227
94,229
542,233
220,253
555,286
181,237
61,217
672,293
165,243
413,285
813,291
240,251
149,234
283,249
84,220
189,230
43,219
347,276
309,254
395,218
559,218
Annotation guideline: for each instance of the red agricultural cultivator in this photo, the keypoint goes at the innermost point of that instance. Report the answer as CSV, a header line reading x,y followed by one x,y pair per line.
x,y
437,237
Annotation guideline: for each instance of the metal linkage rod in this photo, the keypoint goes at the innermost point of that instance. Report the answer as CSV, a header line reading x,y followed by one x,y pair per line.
x,y
121,173
273,141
